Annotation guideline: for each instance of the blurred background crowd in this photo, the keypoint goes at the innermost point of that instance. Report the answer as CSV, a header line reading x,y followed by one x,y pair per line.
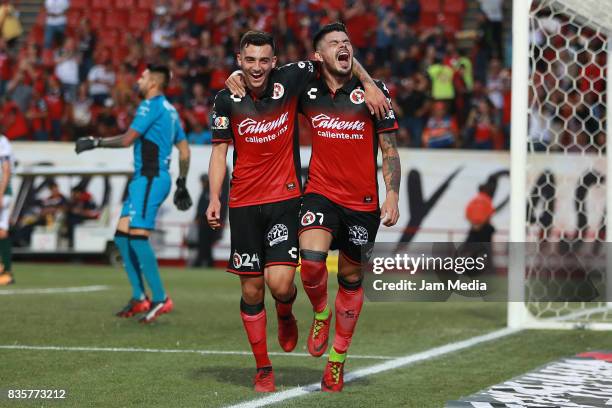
x,y
71,71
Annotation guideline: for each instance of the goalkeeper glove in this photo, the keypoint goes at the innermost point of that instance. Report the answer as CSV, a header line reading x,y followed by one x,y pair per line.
x,y
182,200
86,143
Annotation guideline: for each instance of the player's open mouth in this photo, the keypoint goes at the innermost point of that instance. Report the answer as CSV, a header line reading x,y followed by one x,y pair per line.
x,y
257,76
343,58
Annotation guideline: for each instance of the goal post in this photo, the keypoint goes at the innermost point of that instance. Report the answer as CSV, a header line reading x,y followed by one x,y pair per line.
x,y
562,56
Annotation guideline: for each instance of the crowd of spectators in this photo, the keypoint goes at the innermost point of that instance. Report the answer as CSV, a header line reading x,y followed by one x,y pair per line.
x,y
72,84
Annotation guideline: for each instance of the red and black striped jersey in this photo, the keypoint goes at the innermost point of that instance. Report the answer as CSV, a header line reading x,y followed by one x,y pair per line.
x,y
344,143
264,132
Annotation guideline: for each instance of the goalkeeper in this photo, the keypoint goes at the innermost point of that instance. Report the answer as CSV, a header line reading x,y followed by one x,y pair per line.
x,y
156,127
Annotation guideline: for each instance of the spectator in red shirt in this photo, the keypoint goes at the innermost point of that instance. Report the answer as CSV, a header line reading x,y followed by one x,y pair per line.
x,y
38,118
13,121
55,108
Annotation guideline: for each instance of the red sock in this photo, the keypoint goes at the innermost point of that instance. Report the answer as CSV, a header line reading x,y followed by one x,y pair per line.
x,y
255,326
348,307
283,309
314,279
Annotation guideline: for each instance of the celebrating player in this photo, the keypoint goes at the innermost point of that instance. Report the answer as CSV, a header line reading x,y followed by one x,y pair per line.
x,y
6,162
340,207
156,127
265,190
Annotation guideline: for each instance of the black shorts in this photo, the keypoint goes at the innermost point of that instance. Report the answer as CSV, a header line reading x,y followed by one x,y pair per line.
x,y
350,229
263,235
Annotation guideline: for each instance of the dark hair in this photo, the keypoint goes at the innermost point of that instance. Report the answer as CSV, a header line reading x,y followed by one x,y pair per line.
x,y
162,70
257,38
326,29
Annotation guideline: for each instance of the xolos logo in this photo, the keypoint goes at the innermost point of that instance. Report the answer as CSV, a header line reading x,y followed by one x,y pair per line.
x,y
325,122
252,127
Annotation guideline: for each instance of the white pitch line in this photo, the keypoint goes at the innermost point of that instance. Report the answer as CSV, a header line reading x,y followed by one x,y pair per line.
x,y
178,351
378,368
43,291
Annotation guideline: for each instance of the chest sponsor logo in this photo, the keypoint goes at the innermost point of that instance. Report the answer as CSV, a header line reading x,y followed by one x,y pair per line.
x,y
357,96
279,91
278,234
264,130
335,128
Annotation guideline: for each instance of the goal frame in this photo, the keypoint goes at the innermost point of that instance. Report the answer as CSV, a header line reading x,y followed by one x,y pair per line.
x,y
518,315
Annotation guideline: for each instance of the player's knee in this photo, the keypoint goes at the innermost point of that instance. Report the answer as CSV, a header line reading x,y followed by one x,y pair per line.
x,y
252,294
282,290
350,282
3,234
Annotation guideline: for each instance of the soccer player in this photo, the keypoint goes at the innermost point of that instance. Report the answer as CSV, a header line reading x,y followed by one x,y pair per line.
x,y
265,190
6,192
156,127
340,208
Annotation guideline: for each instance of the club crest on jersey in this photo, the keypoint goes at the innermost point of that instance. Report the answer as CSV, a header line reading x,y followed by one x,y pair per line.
x,y
279,91
358,235
357,96
221,123
308,218
237,260
278,234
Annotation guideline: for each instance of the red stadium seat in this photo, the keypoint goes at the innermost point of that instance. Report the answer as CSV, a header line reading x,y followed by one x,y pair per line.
x,y
139,21
109,38
454,6
79,4
73,17
125,4
102,4
117,19
146,4
97,19
452,22
428,20
430,6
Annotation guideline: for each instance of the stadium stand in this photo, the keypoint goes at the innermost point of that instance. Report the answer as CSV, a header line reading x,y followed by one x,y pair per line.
x,y
397,41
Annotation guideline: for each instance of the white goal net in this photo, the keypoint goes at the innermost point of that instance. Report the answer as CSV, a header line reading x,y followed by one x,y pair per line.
x,y
564,277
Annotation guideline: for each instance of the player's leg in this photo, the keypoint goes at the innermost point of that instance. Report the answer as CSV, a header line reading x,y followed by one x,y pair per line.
x,y
358,229
139,303
6,275
246,261
253,314
318,221
281,259
147,195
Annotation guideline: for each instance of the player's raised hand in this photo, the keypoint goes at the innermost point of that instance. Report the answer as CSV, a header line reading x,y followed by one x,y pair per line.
x,y
389,211
236,85
376,101
213,213
182,199
86,143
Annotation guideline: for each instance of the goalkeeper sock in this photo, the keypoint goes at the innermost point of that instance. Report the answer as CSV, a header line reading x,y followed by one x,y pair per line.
x,y
6,253
254,321
314,278
349,301
148,264
130,264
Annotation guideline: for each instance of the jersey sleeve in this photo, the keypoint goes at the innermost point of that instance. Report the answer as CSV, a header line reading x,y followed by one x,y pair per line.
x,y
220,119
179,132
145,115
389,122
299,73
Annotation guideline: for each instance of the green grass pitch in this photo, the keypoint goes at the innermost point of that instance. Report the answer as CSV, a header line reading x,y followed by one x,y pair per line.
x,y
206,318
